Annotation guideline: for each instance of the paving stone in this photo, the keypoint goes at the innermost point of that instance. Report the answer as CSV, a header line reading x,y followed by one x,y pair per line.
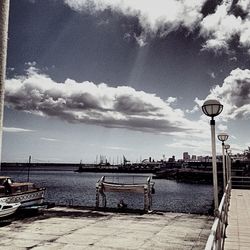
x,y
107,231
238,229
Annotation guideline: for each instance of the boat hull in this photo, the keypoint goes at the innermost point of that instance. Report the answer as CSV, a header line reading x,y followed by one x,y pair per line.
x,y
9,211
29,198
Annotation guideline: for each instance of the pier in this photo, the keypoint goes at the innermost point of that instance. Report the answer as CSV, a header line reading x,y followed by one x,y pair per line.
x,y
238,230
231,227
71,228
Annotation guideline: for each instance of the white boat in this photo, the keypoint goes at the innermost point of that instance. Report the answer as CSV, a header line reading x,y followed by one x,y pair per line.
x,y
20,192
8,209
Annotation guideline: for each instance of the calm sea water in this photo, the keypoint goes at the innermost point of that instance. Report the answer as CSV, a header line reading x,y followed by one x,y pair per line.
x,y
79,189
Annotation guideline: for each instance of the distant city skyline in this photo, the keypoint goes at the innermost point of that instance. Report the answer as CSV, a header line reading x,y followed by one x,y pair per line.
x,y
114,78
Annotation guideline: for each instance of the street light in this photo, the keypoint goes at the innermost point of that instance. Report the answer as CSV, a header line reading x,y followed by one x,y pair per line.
x,y
227,147
223,137
213,108
4,17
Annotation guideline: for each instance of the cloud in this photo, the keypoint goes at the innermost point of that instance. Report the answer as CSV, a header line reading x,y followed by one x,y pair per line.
x,y
141,40
202,147
86,102
171,99
229,20
118,148
152,15
216,45
193,145
222,26
193,110
234,94
48,139
16,130
244,4
31,64
222,127
212,75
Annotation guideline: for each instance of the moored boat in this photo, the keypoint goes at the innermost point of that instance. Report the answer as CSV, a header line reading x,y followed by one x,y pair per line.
x,y
25,193
8,209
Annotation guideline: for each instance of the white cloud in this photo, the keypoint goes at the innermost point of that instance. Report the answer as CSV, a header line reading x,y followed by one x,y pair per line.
x,y
152,15
48,139
171,99
222,127
194,146
31,64
141,40
244,4
16,130
193,110
163,17
86,102
236,148
234,94
217,45
118,148
202,147
212,74
221,27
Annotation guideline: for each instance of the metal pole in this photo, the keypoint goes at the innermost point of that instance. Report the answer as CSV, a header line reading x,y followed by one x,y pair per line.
x,y
28,179
4,18
227,166
230,170
224,168
215,183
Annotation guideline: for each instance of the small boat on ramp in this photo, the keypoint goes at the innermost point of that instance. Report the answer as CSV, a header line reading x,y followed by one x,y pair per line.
x,y
8,209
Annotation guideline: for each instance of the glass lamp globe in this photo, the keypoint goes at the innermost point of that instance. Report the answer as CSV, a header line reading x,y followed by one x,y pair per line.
x,y
227,146
222,137
212,108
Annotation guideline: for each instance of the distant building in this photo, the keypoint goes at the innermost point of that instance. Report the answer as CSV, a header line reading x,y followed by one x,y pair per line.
x,y
171,159
200,158
186,156
193,158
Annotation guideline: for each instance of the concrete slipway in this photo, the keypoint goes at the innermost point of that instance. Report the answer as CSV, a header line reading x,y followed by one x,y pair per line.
x,y
67,228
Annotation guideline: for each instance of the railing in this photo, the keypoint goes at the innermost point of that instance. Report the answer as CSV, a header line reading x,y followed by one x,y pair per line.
x,y
217,236
241,182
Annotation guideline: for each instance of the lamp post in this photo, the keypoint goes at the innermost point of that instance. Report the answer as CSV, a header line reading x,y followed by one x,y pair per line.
x,y
4,18
223,137
227,147
213,108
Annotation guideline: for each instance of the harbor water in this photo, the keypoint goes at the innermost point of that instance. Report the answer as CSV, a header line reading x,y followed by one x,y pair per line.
x,y
71,188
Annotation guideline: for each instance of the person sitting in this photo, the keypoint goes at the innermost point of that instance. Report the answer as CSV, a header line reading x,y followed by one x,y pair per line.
x,y
7,187
122,205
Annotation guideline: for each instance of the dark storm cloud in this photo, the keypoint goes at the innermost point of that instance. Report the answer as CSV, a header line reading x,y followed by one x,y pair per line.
x,y
130,104
86,102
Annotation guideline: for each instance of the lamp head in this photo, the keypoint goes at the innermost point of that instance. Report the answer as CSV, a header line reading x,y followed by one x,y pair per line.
x,y
212,108
227,146
222,137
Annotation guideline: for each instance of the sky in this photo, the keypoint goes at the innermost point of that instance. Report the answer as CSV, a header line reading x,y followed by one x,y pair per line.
x,y
109,77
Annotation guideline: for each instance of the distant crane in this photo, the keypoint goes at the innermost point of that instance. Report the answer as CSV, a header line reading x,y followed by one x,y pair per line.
x,y
125,161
